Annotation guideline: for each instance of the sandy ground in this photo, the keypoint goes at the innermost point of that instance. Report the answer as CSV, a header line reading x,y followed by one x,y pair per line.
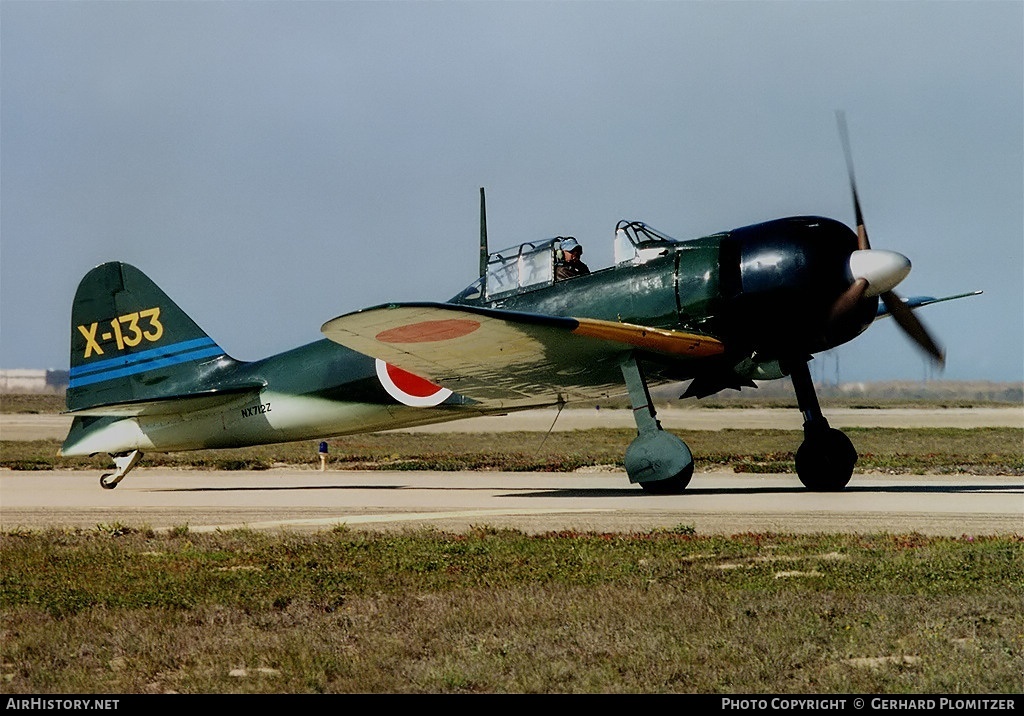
x,y
725,418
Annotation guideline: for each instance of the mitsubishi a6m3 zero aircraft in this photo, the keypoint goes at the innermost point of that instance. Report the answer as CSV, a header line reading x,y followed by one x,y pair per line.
x,y
721,311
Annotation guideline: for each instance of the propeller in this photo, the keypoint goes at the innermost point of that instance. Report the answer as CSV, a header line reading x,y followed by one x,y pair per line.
x,y
849,298
875,272
844,136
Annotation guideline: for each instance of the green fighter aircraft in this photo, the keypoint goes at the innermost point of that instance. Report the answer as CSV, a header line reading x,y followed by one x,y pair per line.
x,y
720,311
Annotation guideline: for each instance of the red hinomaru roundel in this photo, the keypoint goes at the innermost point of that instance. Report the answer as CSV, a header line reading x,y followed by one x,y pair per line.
x,y
410,389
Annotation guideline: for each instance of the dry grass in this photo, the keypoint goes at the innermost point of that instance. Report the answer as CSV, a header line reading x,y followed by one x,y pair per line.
x,y
985,451
122,611
116,611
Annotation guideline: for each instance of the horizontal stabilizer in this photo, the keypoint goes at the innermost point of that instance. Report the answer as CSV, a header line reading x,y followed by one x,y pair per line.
x,y
508,358
171,405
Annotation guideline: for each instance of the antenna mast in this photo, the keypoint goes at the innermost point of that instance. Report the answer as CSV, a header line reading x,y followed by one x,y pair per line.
x,y
483,235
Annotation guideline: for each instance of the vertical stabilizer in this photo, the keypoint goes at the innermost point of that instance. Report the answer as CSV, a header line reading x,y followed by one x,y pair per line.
x,y
131,343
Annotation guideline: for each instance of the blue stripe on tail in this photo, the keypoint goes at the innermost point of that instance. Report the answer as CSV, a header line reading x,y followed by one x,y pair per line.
x,y
144,361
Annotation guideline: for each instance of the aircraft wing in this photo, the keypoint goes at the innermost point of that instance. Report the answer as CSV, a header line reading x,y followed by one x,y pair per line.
x,y
919,301
507,358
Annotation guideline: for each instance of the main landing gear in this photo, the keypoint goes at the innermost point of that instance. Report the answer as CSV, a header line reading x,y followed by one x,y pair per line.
x,y
663,465
825,459
658,460
124,463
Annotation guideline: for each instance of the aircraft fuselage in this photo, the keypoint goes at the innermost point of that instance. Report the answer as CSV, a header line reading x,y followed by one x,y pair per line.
x,y
760,289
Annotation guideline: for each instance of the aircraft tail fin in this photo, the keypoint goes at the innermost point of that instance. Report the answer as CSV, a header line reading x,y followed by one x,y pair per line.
x,y
130,343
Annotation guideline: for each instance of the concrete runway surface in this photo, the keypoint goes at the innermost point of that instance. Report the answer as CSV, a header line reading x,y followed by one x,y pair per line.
x,y
715,502
307,499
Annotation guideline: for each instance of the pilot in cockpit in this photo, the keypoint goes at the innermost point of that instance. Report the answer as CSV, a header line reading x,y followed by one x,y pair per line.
x,y
569,264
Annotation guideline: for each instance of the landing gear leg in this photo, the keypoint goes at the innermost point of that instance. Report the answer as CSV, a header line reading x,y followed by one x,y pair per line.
x,y
659,461
124,463
825,460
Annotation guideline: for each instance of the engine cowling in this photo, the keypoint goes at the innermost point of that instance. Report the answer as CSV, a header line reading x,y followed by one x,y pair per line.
x,y
780,282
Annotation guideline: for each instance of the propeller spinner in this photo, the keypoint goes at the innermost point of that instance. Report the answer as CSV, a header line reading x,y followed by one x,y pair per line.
x,y
875,272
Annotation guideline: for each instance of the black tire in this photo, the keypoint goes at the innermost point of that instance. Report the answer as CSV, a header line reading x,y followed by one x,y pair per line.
x,y
671,486
825,461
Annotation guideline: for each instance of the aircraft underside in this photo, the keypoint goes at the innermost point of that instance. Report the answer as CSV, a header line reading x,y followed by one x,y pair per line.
x,y
270,418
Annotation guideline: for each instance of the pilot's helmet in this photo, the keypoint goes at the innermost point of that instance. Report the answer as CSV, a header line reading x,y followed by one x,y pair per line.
x,y
570,245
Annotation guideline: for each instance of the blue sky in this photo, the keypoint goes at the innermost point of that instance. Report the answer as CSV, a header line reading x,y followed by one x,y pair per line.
x,y
272,165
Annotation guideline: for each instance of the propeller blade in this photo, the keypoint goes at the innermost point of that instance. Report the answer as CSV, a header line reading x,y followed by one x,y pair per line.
x,y
906,319
844,137
890,268
849,299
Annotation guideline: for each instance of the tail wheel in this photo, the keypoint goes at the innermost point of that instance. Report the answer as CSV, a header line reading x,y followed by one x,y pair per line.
x,y
124,463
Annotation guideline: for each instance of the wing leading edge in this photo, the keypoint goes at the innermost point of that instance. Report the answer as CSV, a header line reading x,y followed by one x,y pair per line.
x,y
919,301
506,358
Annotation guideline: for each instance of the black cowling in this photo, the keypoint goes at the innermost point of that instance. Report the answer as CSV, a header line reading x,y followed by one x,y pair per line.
x,y
779,282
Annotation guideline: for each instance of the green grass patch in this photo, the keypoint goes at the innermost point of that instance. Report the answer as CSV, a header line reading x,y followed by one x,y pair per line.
x,y
115,610
987,451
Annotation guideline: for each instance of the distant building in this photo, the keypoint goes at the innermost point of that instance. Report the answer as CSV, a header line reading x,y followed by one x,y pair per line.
x,y
32,380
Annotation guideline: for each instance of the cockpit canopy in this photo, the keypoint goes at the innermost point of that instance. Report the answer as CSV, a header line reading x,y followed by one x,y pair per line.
x,y
522,266
531,265
638,243
517,268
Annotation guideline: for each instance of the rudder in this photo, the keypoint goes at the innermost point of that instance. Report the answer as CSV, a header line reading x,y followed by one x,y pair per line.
x,y
131,343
